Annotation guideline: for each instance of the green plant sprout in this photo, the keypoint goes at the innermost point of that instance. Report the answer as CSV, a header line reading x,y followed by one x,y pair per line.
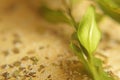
x,y
86,37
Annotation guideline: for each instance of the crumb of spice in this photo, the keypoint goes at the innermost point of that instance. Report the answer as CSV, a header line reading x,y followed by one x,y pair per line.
x,y
34,59
18,63
15,50
41,67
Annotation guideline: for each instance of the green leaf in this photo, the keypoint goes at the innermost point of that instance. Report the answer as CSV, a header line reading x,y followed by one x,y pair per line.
x,y
117,2
88,32
110,8
55,16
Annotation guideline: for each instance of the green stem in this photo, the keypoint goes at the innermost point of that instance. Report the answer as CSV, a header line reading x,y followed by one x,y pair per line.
x,y
72,18
94,73
97,73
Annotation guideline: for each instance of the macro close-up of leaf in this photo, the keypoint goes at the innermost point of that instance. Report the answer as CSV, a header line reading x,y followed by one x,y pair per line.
x,y
89,37
88,32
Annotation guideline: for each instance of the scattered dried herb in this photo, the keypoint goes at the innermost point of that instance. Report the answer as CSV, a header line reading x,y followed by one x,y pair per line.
x,y
31,52
16,50
17,63
6,75
25,58
34,59
6,53
41,67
